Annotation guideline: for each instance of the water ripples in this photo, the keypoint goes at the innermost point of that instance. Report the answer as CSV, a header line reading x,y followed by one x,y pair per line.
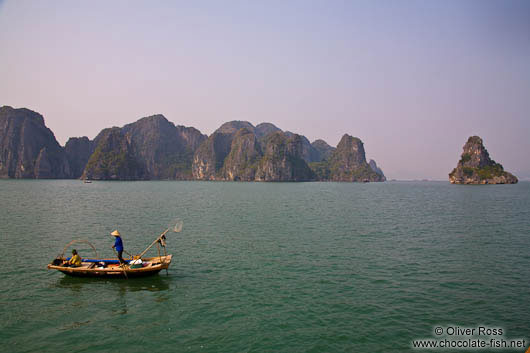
x,y
259,267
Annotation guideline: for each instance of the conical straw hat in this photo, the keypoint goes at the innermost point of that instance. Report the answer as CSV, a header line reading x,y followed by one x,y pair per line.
x,y
116,233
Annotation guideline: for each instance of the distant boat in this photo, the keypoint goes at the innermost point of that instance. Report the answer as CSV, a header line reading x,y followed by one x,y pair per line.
x,y
86,181
137,266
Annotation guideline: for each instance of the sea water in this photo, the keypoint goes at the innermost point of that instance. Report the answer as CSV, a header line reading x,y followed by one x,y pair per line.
x,y
265,267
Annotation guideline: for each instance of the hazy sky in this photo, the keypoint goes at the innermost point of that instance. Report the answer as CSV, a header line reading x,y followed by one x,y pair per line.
x,y
412,79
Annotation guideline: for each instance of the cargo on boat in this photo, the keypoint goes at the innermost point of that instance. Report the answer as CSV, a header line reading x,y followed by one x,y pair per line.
x,y
111,268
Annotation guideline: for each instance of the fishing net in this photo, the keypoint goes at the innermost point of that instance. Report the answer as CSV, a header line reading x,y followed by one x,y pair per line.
x,y
82,247
176,225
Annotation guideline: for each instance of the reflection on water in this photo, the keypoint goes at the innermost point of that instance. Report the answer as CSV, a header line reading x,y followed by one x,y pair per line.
x,y
114,296
120,304
152,284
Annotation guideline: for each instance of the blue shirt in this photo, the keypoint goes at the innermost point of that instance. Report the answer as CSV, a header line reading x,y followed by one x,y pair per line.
x,y
118,244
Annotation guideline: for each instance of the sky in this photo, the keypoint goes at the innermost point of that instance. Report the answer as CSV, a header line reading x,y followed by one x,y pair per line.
x,y
412,79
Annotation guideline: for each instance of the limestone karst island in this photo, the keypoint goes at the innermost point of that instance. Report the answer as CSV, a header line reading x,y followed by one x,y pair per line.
x,y
476,166
153,148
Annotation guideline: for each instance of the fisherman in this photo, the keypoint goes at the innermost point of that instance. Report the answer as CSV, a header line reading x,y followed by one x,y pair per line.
x,y
75,260
118,245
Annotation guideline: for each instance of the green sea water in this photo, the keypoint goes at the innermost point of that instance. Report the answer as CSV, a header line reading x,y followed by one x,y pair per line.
x,y
265,267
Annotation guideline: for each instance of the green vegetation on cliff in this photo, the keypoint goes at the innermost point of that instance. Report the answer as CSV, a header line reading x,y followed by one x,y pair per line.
x,y
242,161
282,159
321,170
486,172
346,163
113,159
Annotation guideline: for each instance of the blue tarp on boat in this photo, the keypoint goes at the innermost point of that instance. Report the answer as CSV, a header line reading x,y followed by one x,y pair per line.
x,y
108,262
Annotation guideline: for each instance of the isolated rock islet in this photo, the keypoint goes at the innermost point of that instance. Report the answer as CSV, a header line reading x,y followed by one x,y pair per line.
x,y
476,166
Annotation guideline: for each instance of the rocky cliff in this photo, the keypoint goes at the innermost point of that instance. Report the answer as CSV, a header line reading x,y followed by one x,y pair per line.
x,y
346,163
322,149
283,159
476,166
114,158
265,129
190,137
240,151
209,157
150,148
309,153
234,126
165,151
28,149
154,148
376,169
78,151
242,160
235,151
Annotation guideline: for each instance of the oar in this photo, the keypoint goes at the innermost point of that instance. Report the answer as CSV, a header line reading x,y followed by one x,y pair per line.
x,y
122,267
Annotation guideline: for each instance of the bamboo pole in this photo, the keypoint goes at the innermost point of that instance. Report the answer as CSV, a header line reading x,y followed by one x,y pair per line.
x,y
153,243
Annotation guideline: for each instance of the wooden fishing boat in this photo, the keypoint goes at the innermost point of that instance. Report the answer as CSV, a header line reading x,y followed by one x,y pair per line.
x,y
136,266
110,268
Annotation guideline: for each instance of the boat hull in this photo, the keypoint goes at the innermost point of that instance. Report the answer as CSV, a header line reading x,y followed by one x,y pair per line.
x,y
89,269
114,274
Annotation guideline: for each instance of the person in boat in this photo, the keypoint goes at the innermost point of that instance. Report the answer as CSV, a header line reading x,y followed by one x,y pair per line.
x,y
118,245
75,260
